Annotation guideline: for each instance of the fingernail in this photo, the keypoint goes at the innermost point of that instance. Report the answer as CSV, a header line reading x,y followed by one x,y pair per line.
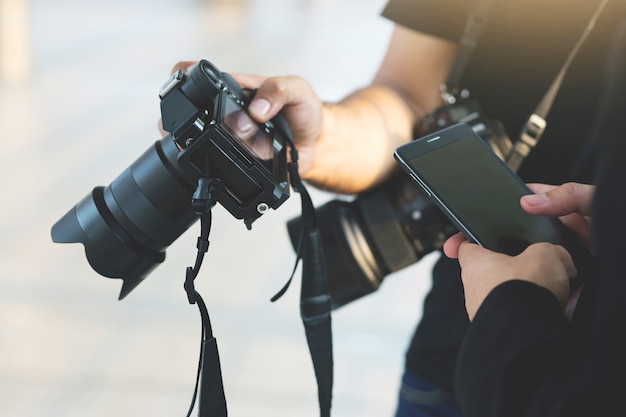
x,y
536,199
259,107
244,124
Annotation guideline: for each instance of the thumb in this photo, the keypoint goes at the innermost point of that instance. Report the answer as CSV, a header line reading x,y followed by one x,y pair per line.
x,y
468,250
559,201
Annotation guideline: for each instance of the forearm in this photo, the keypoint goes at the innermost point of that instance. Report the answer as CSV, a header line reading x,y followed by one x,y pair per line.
x,y
359,134
348,146
358,138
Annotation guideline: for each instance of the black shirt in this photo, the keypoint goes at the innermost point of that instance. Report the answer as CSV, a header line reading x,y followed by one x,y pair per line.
x,y
521,357
521,50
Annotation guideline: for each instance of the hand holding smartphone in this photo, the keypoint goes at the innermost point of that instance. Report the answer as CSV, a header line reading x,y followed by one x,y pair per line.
x,y
481,195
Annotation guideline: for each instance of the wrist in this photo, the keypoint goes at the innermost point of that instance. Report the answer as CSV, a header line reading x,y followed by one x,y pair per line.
x,y
314,167
354,149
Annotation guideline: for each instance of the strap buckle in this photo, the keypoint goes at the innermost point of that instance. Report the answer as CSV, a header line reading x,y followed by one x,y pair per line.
x,y
533,130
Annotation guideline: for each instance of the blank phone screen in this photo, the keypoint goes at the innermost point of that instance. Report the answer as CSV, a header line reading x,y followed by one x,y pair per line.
x,y
475,186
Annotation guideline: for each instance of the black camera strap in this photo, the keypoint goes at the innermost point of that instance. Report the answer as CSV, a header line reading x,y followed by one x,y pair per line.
x,y
209,384
315,300
473,30
535,125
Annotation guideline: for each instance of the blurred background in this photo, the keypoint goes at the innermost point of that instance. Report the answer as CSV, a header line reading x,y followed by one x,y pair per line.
x,y
79,84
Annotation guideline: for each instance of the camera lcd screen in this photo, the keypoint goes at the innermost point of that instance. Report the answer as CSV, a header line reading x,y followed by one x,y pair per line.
x,y
249,133
478,191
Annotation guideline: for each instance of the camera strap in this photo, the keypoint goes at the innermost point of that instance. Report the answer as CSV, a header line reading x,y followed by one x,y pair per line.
x,y
536,124
209,384
315,300
473,30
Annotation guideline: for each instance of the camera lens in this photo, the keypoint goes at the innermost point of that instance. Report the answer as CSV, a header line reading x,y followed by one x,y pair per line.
x,y
127,226
382,231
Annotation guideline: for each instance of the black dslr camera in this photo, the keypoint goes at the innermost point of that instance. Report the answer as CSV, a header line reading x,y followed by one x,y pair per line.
x,y
392,225
127,226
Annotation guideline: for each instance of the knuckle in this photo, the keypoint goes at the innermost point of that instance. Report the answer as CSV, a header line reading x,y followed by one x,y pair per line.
x,y
276,86
571,188
539,248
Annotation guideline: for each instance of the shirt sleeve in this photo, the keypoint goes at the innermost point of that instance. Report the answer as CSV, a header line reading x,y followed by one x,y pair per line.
x,y
442,18
518,358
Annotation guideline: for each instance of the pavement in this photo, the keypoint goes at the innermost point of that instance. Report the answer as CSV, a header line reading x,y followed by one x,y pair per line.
x,y
86,109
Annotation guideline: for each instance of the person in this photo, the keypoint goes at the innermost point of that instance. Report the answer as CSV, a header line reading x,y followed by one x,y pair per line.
x,y
347,146
524,355
535,345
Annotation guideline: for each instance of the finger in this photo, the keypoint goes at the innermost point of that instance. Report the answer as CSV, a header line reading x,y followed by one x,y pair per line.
x,y
567,261
451,245
276,92
562,200
538,188
183,65
249,80
242,126
160,127
468,250
543,249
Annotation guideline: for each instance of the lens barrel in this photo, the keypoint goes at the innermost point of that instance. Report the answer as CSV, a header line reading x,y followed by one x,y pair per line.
x,y
127,226
381,231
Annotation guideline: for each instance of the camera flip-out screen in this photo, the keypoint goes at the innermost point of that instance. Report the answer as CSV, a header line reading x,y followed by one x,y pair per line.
x,y
253,136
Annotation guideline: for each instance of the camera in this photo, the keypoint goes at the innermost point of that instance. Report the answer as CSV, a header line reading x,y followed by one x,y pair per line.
x,y
126,226
392,225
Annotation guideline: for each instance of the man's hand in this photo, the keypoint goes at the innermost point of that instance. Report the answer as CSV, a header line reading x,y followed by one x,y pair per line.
x,y
347,146
300,106
292,95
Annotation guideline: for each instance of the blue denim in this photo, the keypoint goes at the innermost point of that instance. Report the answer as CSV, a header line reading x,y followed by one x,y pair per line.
x,y
419,398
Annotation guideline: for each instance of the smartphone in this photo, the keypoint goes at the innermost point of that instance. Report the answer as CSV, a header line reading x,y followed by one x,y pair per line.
x,y
481,195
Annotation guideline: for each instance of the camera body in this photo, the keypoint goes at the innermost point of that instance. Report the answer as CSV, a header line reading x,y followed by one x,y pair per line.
x,y
202,110
392,225
127,226
469,111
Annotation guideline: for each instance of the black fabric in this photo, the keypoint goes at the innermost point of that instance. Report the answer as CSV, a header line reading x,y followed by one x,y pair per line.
x,y
534,323
521,51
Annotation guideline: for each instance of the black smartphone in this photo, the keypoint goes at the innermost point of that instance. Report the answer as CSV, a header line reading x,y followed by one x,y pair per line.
x,y
481,195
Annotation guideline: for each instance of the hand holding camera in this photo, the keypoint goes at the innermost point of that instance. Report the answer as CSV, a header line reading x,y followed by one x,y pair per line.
x,y
296,101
